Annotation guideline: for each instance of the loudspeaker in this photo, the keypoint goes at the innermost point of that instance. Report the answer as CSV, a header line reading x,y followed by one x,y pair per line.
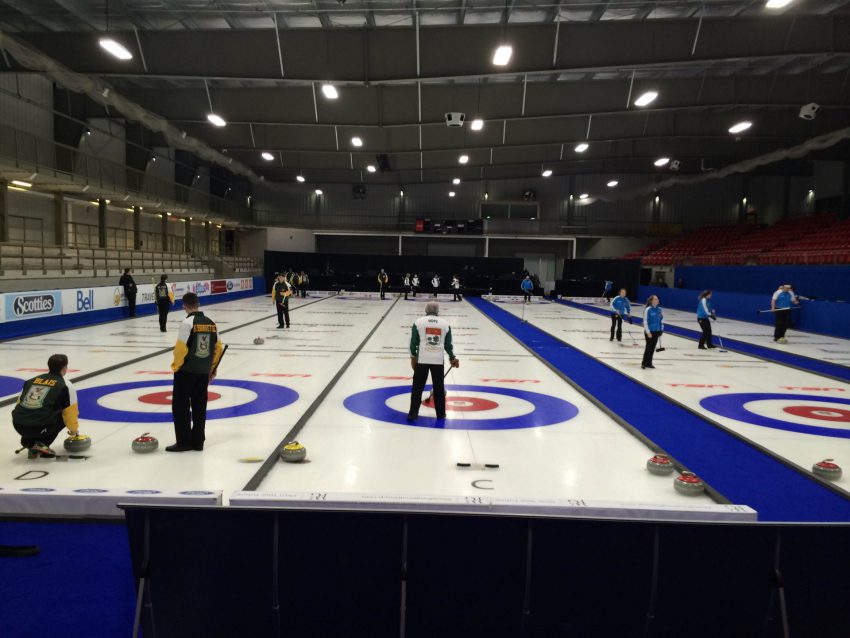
x,y
809,111
359,191
455,119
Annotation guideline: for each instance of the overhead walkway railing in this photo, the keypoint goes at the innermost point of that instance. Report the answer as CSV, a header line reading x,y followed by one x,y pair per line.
x,y
61,168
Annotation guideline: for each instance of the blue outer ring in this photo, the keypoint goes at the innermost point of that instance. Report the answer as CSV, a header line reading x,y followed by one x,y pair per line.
x,y
732,406
269,397
10,385
548,410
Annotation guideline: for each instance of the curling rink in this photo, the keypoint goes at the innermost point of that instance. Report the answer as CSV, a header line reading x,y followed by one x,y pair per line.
x,y
339,381
795,415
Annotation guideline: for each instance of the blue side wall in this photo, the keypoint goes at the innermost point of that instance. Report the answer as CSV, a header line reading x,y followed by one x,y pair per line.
x,y
823,317
825,282
27,327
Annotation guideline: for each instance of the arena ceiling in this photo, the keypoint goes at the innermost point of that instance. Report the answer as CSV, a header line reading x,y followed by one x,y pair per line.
x,y
576,69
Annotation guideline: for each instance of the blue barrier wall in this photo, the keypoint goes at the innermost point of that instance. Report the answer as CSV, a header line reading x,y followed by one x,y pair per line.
x,y
826,282
27,327
823,317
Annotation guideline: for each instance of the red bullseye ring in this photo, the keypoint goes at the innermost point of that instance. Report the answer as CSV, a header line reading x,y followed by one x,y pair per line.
x,y
164,398
456,403
819,412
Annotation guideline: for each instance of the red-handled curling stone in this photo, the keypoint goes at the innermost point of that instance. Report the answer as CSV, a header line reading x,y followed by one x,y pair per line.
x,y
689,484
145,443
660,465
827,469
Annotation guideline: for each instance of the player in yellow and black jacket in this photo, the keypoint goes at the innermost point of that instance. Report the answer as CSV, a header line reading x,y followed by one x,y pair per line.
x,y
196,355
47,405
281,291
164,298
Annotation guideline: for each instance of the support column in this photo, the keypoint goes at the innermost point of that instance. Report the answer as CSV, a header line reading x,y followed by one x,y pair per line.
x,y
786,197
656,207
571,203
207,248
101,222
187,236
4,207
744,200
59,236
221,242
399,245
164,230
137,227
487,246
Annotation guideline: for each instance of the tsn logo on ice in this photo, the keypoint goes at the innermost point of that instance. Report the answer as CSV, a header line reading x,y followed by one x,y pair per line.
x,y
34,305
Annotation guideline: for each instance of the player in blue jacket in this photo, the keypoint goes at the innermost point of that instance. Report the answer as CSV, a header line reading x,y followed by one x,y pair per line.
x,y
620,308
781,302
609,290
705,311
653,328
527,286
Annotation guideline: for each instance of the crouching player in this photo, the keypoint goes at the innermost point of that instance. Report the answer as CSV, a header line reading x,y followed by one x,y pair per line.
x,y
47,405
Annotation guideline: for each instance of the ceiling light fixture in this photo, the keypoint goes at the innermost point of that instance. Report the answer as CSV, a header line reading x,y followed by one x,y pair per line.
x,y
613,183
547,172
451,193
371,168
21,183
646,99
777,4
115,48
216,120
329,91
662,161
463,159
300,179
581,148
477,124
456,181
356,141
502,55
267,156
740,127
583,196
318,192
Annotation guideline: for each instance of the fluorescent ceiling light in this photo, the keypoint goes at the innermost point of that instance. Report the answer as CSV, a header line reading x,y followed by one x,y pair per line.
x,y
463,159
21,183
613,183
477,124
583,196
547,172
456,181
267,156
740,127
318,191
401,193
777,4
115,48
300,179
356,141
329,91
662,161
581,148
371,168
216,120
502,55
451,193
647,98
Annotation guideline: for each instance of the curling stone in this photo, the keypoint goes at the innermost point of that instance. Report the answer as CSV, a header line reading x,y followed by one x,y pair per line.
x,y
145,443
660,465
293,452
689,484
77,443
827,469
258,341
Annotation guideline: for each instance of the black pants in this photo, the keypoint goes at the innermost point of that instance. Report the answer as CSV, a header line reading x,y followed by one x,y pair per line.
x,y
413,290
382,288
283,313
131,302
616,326
406,292
783,322
607,296
32,434
457,295
526,296
163,307
420,376
651,342
436,290
189,407
705,339
303,290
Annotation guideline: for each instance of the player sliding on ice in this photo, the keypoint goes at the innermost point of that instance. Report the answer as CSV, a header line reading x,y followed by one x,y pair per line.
x,y
429,337
47,405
